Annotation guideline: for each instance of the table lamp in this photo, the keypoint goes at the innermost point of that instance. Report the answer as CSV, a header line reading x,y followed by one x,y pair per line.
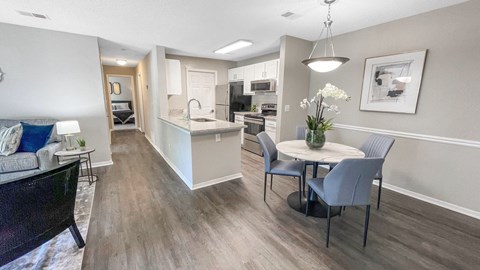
x,y
68,128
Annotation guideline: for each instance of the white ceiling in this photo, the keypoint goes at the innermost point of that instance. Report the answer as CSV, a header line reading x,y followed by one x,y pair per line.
x,y
130,28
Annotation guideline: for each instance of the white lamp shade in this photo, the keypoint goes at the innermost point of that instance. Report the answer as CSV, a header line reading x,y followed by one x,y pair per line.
x,y
67,127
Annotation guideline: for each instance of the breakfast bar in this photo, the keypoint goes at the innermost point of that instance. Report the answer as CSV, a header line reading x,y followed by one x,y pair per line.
x,y
201,151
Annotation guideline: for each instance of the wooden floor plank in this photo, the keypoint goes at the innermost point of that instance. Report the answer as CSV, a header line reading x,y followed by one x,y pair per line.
x,y
144,217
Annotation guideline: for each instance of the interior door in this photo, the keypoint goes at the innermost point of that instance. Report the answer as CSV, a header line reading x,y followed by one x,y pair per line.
x,y
201,86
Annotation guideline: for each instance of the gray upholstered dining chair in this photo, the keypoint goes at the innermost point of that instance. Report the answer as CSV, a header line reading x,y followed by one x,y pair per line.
x,y
378,146
273,166
347,184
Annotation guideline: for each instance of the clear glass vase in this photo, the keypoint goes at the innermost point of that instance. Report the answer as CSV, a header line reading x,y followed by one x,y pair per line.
x,y
315,139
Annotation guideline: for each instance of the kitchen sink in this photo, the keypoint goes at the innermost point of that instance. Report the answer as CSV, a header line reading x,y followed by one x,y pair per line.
x,y
202,120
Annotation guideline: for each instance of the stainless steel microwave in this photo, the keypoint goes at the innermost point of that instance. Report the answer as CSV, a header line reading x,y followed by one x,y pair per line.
x,y
263,86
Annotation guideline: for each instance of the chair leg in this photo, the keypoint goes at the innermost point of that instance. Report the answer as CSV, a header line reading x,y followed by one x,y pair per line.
x,y
340,214
307,207
367,217
379,192
265,188
76,235
300,189
304,179
328,225
271,181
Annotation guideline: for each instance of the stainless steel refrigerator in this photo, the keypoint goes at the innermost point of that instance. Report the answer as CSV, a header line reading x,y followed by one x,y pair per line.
x,y
229,98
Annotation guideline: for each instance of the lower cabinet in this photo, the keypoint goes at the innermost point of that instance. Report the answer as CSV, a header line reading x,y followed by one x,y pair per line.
x,y
239,120
271,128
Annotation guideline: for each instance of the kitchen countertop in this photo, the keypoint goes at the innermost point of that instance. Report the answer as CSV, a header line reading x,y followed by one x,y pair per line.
x,y
267,117
243,113
200,128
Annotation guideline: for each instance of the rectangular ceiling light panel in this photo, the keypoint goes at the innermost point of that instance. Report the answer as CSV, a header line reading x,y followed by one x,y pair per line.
x,y
234,46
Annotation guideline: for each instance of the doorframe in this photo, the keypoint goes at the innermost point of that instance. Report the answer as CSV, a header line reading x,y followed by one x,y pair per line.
x,y
141,102
134,99
204,71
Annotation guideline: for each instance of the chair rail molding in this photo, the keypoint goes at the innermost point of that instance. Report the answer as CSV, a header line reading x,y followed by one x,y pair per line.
x,y
415,136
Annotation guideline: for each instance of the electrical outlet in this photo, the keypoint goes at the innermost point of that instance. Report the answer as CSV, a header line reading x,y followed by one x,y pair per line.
x,y
218,138
287,108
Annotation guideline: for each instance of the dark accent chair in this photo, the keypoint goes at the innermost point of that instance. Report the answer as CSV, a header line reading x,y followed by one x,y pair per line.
x,y
35,208
378,146
273,166
347,184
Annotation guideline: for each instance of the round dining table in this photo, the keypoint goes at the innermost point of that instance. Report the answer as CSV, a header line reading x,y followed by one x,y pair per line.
x,y
330,153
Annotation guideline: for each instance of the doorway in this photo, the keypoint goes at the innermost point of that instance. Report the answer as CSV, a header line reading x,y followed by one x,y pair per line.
x,y
122,101
201,86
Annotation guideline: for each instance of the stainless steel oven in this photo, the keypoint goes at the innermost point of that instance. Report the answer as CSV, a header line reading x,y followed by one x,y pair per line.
x,y
255,124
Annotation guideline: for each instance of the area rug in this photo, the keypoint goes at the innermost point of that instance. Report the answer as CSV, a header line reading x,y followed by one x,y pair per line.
x,y
61,252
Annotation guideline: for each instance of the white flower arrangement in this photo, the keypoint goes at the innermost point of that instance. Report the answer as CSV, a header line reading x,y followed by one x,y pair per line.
x,y
317,122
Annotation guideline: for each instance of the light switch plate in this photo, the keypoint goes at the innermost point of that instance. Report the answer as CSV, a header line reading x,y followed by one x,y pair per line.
x,y
218,138
287,108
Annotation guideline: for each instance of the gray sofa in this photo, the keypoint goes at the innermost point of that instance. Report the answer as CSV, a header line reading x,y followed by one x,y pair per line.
x,y
23,163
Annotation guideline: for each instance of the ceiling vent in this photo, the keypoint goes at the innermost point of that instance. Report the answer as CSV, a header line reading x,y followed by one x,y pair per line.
x,y
31,14
287,14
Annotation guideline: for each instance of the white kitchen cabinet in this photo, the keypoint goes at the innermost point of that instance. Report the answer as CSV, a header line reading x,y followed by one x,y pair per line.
x,y
266,70
174,76
235,74
248,77
271,128
240,120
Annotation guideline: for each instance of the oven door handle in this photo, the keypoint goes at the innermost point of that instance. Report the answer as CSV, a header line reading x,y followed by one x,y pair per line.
x,y
253,121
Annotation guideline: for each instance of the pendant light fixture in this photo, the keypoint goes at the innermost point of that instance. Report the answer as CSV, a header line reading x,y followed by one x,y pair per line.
x,y
329,61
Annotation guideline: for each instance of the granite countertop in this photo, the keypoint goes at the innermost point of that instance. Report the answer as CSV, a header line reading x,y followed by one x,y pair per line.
x,y
270,117
243,113
200,128
267,117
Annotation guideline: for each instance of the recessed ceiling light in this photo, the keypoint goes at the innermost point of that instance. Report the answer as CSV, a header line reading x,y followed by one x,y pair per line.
x,y
234,46
121,62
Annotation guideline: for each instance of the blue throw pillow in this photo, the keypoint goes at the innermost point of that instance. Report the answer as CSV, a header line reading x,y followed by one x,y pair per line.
x,y
34,137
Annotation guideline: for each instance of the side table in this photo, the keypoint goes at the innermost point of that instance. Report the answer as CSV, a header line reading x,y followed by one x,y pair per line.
x,y
84,156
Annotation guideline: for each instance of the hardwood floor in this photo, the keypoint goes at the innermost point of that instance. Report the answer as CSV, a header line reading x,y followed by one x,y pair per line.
x,y
144,217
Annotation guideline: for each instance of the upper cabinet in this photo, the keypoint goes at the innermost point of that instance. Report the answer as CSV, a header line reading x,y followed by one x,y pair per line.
x,y
174,77
266,70
235,74
249,75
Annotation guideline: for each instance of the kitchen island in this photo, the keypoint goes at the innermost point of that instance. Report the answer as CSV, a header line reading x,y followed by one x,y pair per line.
x,y
201,153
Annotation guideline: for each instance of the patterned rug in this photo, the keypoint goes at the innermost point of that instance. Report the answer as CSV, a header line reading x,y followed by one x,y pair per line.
x,y
61,252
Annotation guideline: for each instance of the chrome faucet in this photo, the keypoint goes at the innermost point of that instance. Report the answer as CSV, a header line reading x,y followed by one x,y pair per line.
x,y
188,106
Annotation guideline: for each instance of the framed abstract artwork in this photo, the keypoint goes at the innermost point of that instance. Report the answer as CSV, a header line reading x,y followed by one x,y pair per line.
x,y
392,83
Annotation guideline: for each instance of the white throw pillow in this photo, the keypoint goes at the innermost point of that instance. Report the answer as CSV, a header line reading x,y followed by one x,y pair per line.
x,y
10,139
122,106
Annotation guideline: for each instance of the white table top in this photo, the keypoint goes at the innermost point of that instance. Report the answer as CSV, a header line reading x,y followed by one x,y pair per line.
x,y
329,153
76,152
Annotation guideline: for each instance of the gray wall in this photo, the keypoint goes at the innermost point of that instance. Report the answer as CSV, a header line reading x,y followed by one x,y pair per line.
x,y
177,102
58,75
447,106
125,86
294,82
259,59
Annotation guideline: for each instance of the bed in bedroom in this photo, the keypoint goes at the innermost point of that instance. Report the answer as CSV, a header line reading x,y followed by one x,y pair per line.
x,y
122,111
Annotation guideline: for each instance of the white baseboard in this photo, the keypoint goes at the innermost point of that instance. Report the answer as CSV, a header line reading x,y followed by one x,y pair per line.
x,y
102,163
217,181
447,205
174,168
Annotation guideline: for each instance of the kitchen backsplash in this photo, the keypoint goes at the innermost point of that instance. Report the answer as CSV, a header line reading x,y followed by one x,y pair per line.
x,y
260,98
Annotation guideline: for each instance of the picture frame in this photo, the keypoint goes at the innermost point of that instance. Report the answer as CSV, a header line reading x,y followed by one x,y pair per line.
x,y
117,89
392,83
